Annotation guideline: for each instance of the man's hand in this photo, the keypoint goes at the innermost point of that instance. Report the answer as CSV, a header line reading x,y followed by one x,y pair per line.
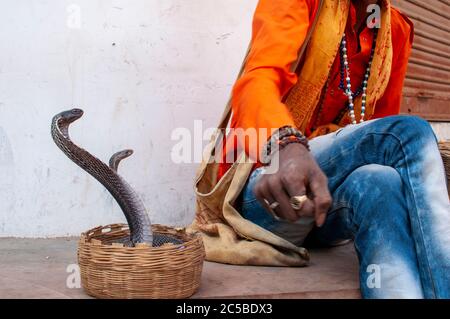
x,y
298,174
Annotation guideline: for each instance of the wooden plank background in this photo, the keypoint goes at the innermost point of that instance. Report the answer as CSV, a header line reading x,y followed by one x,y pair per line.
x,y
427,84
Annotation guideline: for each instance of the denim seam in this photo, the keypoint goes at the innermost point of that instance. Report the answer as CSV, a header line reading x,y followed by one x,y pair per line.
x,y
250,201
344,152
415,205
340,205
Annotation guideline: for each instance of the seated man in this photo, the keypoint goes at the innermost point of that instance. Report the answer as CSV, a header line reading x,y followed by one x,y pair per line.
x,y
380,182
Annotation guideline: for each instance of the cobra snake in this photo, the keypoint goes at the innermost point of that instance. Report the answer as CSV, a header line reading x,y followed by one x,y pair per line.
x,y
128,200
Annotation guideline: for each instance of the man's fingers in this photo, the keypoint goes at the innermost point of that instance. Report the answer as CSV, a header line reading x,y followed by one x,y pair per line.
x,y
285,210
308,209
295,186
322,198
268,200
258,190
280,189
263,192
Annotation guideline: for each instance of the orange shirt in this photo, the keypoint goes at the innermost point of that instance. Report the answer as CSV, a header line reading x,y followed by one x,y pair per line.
x,y
278,27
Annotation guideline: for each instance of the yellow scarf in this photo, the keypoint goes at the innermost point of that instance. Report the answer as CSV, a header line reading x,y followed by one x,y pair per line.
x,y
319,58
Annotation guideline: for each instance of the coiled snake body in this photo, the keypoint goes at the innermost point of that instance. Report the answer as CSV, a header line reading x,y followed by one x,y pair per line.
x,y
128,200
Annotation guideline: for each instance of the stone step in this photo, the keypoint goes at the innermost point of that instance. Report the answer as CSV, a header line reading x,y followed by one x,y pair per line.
x,y
36,268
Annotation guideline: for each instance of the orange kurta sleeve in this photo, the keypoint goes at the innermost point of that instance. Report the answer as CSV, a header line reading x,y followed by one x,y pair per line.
x,y
279,29
402,38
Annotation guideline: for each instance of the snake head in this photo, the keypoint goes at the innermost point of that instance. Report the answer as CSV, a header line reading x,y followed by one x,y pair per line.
x,y
118,157
61,122
63,119
127,153
71,115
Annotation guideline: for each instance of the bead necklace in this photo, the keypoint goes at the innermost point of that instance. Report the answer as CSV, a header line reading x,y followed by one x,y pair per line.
x,y
345,74
362,89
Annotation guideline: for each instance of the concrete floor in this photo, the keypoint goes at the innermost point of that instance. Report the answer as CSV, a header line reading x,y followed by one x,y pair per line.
x,y
37,268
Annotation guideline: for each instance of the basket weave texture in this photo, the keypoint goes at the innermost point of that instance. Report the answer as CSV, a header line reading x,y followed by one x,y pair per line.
x,y
444,147
112,270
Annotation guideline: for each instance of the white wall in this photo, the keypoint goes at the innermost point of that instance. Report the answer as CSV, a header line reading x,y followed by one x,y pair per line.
x,y
442,130
173,62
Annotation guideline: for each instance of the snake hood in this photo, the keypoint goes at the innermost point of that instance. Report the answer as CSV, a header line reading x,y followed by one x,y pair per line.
x,y
128,200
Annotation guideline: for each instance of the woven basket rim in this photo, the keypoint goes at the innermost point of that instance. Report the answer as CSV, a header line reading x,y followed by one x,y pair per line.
x,y
444,146
88,237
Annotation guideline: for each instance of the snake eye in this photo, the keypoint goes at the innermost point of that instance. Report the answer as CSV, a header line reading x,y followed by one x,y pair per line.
x,y
77,111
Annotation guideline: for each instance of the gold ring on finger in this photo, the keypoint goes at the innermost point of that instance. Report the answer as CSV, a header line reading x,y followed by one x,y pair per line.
x,y
297,202
272,206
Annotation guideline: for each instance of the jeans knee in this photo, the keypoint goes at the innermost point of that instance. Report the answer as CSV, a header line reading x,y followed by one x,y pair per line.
x,y
414,124
379,196
376,180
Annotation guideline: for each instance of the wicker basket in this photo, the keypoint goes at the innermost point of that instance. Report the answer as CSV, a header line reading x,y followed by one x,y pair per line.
x,y
111,270
445,152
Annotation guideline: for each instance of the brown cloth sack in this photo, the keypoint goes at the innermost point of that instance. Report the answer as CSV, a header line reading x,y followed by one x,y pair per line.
x,y
228,237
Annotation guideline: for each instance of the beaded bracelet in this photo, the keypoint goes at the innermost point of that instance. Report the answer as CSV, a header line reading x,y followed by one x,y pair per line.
x,y
282,137
293,140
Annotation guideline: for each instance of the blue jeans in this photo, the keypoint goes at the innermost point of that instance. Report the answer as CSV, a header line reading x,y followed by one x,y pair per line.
x,y
388,185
